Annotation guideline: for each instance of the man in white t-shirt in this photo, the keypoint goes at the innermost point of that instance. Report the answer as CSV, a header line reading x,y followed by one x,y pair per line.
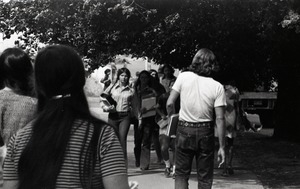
x,y
202,103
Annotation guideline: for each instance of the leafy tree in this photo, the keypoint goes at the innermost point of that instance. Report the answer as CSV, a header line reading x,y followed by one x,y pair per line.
x,y
255,41
99,30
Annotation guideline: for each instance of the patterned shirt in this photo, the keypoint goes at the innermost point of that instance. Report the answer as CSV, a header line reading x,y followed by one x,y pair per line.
x,y
16,111
110,161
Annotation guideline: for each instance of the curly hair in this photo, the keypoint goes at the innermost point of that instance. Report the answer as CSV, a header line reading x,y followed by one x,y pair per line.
x,y
204,63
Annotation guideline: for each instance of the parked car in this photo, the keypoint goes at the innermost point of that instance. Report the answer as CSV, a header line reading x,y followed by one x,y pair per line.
x,y
260,103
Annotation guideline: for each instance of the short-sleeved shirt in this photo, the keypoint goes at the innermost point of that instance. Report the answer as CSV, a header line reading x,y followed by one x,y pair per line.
x,y
122,95
110,161
198,97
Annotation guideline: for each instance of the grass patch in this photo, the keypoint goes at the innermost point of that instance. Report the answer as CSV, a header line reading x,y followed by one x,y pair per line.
x,y
276,163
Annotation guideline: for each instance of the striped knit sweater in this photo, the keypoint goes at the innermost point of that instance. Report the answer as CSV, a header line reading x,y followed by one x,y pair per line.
x,y
15,111
110,161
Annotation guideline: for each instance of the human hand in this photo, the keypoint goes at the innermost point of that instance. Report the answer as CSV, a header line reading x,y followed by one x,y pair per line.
x,y
133,184
140,123
109,108
164,117
221,157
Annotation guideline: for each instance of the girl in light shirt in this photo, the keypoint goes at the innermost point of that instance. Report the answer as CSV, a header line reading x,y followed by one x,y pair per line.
x,y
120,114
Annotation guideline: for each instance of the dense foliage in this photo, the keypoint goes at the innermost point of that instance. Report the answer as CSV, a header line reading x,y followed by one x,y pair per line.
x,y
256,41
241,33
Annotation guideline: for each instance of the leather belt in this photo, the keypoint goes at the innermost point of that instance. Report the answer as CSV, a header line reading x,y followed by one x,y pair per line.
x,y
197,124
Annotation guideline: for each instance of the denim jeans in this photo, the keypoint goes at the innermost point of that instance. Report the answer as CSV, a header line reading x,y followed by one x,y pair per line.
x,y
198,142
121,122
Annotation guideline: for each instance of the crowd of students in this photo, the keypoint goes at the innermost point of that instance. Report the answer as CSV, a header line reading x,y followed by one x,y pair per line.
x,y
53,141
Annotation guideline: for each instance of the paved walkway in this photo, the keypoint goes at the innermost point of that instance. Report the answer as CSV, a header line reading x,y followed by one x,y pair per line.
x,y
155,179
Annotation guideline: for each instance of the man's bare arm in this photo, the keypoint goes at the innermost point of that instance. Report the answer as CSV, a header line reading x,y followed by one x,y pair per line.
x,y
171,102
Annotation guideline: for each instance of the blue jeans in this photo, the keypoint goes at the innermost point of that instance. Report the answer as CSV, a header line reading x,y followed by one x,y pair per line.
x,y
190,142
121,122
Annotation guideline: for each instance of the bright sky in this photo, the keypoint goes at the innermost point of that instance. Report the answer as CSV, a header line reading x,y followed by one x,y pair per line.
x,y
7,42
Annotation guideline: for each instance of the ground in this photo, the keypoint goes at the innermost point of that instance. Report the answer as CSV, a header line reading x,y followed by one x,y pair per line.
x,y
276,163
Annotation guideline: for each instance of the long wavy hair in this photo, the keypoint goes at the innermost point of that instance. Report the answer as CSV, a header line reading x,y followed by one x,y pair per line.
x,y
204,63
168,66
59,80
138,81
156,74
16,71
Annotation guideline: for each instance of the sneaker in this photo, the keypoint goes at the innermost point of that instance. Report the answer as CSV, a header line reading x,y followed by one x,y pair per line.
x,y
172,174
167,172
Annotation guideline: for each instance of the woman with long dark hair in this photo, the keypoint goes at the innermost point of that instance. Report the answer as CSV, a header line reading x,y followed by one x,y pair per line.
x,y
145,90
120,113
65,146
168,78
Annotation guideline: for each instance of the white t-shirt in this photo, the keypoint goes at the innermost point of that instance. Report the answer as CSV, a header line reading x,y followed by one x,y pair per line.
x,y
198,96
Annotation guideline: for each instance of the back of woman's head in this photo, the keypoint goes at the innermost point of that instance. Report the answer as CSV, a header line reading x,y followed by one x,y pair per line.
x,y
59,78
204,63
58,71
16,71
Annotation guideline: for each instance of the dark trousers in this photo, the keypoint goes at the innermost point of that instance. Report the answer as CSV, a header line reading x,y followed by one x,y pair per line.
x,y
194,142
137,140
156,143
147,129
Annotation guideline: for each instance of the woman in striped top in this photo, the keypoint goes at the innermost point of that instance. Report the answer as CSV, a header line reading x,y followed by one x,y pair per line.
x,y
64,147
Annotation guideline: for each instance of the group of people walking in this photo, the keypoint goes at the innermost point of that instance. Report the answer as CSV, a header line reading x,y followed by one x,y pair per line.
x,y
129,109
53,141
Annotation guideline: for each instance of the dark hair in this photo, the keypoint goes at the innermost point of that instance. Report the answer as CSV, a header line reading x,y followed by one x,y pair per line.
x,y
59,78
138,81
16,71
156,74
204,63
169,67
123,70
107,71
